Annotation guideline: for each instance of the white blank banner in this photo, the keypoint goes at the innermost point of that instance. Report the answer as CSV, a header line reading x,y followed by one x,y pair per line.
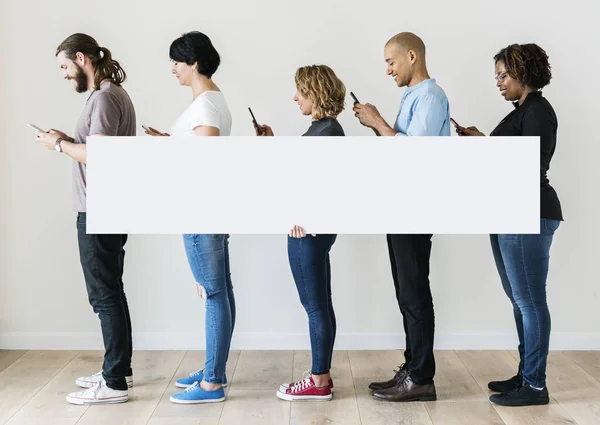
x,y
348,185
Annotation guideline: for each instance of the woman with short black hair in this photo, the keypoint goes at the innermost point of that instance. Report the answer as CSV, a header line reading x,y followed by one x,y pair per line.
x,y
195,60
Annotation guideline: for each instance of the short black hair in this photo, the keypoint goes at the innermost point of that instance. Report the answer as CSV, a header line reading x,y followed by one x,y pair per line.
x,y
527,63
195,47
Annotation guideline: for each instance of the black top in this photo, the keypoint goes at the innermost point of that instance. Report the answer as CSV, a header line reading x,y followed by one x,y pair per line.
x,y
536,117
325,127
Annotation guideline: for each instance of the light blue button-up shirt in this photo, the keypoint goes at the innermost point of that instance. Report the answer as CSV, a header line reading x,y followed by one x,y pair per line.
x,y
424,111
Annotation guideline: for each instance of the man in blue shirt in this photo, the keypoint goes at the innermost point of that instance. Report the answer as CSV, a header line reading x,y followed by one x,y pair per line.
x,y
424,111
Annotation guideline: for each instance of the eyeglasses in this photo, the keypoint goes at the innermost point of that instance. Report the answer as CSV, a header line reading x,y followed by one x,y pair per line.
x,y
501,77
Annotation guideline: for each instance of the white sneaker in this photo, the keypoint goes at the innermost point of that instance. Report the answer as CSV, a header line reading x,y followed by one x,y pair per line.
x,y
98,394
90,381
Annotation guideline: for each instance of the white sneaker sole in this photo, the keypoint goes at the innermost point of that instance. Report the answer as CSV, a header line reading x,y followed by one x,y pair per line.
x,y
187,386
89,384
212,400
85,401
288,397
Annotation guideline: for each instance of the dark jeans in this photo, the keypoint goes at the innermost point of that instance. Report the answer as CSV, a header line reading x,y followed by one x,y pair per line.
x,y
522,262
311,268
102,258
409,257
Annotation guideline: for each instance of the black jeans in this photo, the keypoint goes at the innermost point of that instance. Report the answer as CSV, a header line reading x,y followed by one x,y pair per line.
x,y
102,258
409,257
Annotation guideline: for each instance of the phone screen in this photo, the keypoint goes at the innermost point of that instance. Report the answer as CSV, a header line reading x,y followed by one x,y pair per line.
x,y
258,129
35,127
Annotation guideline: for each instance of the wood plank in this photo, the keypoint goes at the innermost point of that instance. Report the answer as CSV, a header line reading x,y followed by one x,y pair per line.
x,y
49,407
8,357
152,373
22,380
209,412
263,370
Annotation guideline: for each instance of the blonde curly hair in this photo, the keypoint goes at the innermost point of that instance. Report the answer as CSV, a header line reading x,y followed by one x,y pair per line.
x,y
320,84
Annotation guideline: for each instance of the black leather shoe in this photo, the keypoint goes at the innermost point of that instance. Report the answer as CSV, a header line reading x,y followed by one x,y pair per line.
x,y
522,396
407,390
506,386
398,377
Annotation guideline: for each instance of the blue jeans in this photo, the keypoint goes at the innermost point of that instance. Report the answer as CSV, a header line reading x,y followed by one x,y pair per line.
x,y
311,268
522,262
208,256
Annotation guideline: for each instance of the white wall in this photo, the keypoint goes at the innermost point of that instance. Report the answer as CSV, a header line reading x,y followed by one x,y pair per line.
x,y
43,303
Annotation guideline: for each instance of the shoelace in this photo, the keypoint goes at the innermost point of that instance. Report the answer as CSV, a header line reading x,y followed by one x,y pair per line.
x,y
306,374
198,372
192,388
301,385
400,368
519,389
93,390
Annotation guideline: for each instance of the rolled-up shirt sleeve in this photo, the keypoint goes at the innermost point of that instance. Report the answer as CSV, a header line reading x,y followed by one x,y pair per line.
x,y
428,117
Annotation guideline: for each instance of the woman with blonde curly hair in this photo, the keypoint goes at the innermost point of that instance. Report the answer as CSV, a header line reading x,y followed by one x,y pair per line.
x,y
320,94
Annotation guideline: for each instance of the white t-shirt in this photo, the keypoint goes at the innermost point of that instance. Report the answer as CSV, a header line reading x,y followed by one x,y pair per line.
x,y
208,109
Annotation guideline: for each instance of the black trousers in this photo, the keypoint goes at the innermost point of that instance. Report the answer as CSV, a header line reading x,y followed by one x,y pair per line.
x,y
409,257
102,258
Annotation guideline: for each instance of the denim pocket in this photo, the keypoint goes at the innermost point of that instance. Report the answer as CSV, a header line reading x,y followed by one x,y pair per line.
x,y
549,226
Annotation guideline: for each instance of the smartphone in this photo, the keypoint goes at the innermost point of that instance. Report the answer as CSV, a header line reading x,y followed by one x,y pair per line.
x,y
457,125
36,128
146,128
258,129
354,97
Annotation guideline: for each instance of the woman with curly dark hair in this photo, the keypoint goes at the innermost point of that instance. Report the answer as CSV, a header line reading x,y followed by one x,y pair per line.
x,y
522,70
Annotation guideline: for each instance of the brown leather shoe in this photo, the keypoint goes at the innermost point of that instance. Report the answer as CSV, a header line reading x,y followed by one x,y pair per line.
x,y
398,378
407,390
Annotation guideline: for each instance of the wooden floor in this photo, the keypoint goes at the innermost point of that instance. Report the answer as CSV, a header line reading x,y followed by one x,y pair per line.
x,y
33,385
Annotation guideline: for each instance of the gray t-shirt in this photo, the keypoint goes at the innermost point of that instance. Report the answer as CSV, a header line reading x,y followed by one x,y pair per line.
x,y
108,111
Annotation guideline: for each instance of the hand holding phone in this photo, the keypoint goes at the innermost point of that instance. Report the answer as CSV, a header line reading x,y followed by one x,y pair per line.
x,y
153,132
36,128
354,97
256,126
459,128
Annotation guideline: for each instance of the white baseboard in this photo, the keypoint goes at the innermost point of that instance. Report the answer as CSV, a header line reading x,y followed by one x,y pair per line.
x,y
284,341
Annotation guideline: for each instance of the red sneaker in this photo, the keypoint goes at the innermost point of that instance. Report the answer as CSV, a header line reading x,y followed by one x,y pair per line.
x,y
305,389
306,374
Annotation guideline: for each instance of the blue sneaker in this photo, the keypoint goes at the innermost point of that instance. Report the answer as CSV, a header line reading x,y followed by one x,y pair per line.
x,y
193,378
195,394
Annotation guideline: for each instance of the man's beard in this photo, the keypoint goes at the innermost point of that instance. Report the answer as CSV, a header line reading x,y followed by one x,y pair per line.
x,y
81,80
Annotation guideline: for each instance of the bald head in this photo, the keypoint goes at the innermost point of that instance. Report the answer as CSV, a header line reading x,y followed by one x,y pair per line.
x,y
405,41
404,54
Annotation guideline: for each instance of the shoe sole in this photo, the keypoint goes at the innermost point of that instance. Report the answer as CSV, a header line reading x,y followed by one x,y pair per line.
x,y
187,386
536,403
83,402
213,400
287,397
89,384
427,398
